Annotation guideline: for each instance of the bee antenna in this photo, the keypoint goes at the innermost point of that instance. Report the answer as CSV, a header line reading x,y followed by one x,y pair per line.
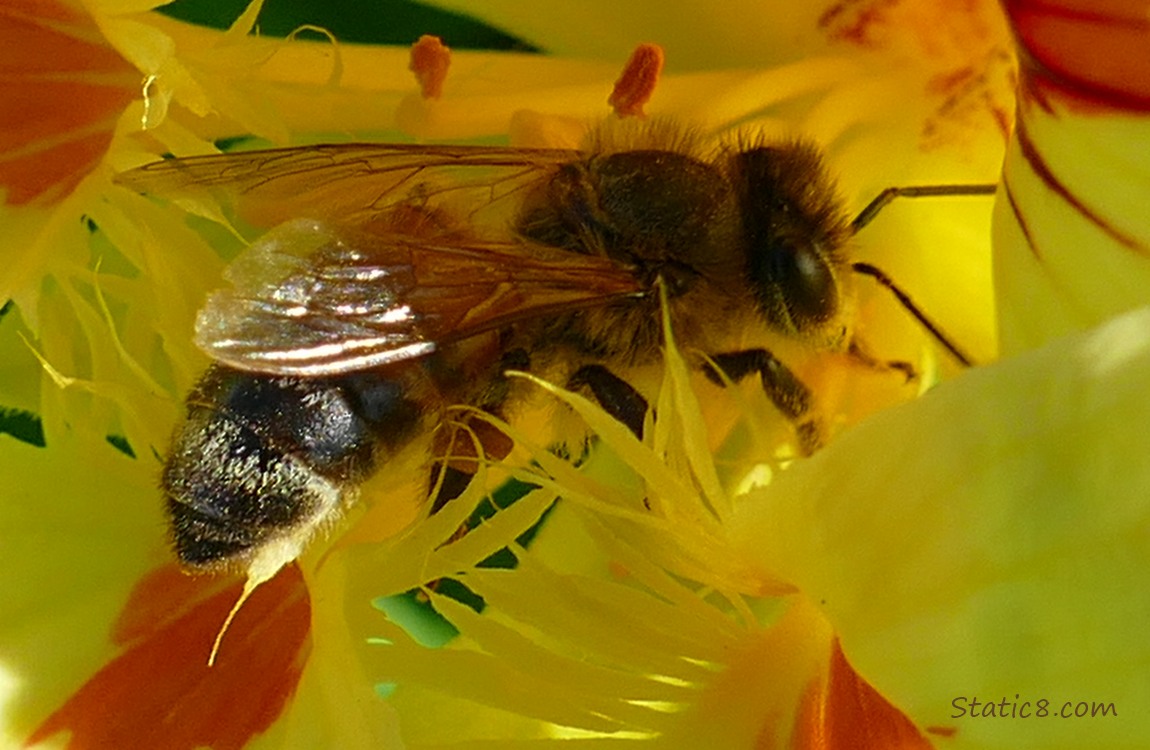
x,y
866,216
866,269
884,199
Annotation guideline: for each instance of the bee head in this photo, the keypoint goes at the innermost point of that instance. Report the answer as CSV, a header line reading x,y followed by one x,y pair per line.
x,y
795,234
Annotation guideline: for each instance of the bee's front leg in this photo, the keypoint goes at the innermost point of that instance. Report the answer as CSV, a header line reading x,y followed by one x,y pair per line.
x,y
860,354
789,394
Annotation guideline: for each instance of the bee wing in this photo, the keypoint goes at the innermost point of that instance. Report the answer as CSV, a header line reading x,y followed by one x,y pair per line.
x,y
310,300
349,182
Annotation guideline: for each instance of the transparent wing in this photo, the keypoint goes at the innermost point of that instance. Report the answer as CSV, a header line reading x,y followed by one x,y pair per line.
x,y
309,299
349,183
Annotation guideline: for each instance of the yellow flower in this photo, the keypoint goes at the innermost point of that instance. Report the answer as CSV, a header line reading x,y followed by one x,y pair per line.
x,y
957,546
99,292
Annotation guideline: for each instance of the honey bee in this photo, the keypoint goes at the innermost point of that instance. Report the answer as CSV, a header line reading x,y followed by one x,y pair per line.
x,y
419,274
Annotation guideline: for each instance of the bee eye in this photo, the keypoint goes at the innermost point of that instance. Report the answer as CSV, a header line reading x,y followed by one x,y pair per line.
x,y
792,233
798,279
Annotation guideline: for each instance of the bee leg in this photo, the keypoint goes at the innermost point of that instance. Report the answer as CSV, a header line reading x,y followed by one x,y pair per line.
x,y
461,444
789,394
447,483
617,397
860,354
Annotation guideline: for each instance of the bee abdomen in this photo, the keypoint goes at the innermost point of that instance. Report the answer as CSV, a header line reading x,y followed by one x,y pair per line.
x,y
264,457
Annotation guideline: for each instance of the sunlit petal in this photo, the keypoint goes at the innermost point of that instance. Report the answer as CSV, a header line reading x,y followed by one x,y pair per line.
x,y
988,540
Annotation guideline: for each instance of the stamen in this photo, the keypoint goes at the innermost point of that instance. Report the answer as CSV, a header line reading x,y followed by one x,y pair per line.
x,y
249,587
430,60
637,83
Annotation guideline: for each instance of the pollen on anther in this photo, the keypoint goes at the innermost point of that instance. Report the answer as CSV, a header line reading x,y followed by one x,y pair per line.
x,y
430,60
637,83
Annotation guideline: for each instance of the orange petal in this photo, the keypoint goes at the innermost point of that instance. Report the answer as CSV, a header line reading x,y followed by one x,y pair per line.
x,y
63,88
1091,54
846,713
160,692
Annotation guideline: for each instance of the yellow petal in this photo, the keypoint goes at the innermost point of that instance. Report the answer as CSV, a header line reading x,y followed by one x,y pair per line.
x,y
81,525
988,540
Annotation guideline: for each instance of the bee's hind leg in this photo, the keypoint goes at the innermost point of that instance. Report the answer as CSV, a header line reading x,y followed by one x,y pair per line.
x,y
617,397
461,446
450,476
789,394
446,483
